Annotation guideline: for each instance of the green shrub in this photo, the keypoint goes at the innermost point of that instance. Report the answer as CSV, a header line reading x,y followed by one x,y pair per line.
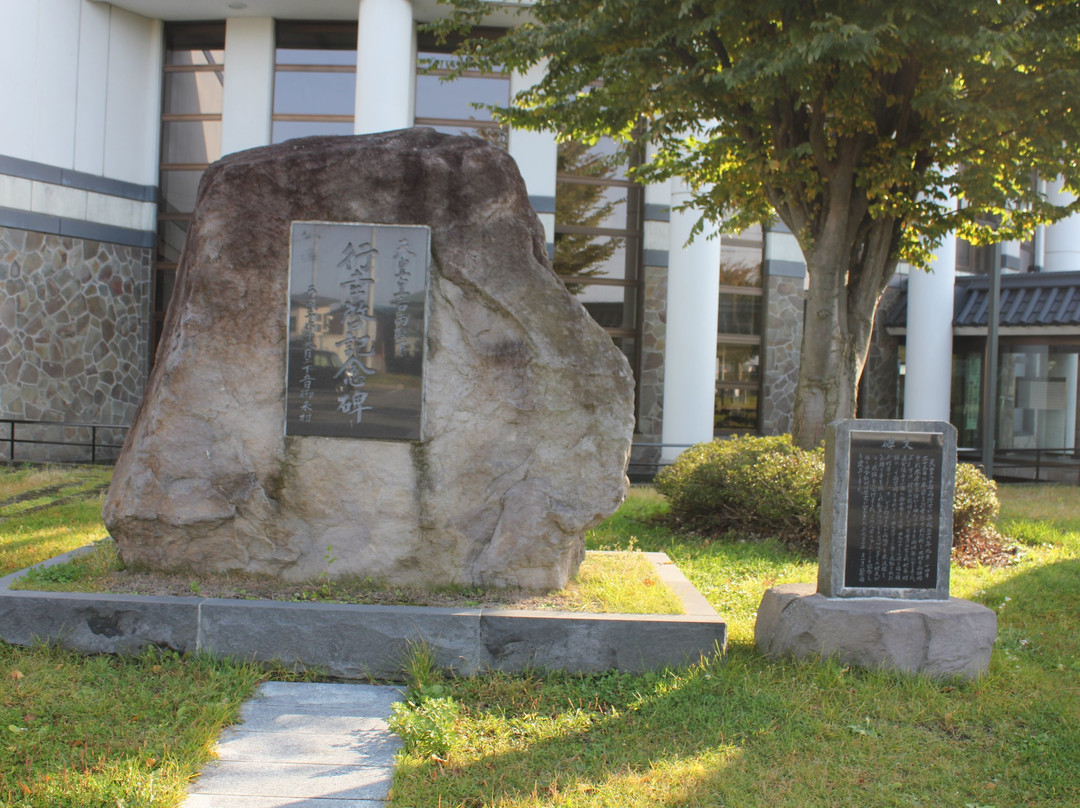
x,y
764,486
770,487
975,502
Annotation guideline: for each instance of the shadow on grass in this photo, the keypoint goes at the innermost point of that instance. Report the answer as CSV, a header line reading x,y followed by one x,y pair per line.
x,y
1038,614
736,732
605,732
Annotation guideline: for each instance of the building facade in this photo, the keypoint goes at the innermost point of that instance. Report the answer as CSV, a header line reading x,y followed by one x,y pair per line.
x,y
114,110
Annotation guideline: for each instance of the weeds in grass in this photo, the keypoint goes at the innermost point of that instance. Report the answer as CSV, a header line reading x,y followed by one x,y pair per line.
x,y
426,720
70,576
624,582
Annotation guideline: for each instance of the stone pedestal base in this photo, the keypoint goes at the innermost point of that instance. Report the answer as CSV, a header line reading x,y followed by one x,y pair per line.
x,y
939,638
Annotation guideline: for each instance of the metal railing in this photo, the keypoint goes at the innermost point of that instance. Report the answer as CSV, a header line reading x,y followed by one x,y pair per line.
x,y
1034,465
645,460
99,450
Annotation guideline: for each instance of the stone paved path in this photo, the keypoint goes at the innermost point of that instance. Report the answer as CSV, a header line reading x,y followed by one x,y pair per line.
x,y
304,746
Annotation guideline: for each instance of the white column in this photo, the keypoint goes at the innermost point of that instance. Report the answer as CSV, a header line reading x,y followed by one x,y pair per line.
x,y
536,154
53,70
249,83
928,379
1070,366
1062,240
693,294
133,106
1010,257
385,66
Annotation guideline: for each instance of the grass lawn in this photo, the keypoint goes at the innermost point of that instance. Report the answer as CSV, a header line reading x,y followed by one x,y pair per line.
x,y
750,732
738,732
96,731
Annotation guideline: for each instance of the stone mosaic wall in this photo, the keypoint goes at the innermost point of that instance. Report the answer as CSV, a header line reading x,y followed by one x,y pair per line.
x,y
879,385
783,341
653,343
73,331
651,377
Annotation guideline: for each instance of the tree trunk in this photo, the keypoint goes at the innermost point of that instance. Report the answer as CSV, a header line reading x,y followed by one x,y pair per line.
x,y
841,301
828,372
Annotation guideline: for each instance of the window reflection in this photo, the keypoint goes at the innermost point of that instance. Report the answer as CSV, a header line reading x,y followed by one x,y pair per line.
x,y
192,96
457,106
191,142
598,239
739,314
314,93
739,329
314,80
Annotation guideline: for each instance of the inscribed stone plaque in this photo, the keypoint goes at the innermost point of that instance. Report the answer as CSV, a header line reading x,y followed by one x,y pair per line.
x,y
357,317
887,509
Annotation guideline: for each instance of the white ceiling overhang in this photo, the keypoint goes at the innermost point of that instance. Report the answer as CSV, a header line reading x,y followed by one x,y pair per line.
x,y
503,12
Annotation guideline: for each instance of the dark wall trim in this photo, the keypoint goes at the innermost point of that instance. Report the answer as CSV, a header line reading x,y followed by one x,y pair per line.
x,y
784,269
542,204
28,169
74,228
657,213
655,258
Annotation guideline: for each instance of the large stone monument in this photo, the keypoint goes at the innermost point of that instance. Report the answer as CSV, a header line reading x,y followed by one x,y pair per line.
x,y
882,597
369,368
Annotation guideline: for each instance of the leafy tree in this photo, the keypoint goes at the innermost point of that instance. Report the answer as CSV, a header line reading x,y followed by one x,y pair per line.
x,y
852,122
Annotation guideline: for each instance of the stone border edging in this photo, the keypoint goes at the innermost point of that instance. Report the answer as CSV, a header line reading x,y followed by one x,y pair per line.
x,y
352,641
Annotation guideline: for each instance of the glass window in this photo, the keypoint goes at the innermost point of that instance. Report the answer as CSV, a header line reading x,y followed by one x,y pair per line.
x,y
451,106
598,238
739,314
193,90
456,99
739,329
736,409
1037,387
314,80
965,409
190,143
1037,392
314,93
740,259
178,189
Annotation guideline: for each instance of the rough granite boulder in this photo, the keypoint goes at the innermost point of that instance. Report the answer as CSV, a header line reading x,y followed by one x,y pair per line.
x,y
528,405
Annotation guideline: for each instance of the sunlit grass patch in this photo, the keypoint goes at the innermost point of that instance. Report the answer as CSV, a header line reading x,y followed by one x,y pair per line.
x,y
624,583
102,731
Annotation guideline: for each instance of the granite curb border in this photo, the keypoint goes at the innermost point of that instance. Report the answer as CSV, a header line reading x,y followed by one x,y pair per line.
x,y
356,642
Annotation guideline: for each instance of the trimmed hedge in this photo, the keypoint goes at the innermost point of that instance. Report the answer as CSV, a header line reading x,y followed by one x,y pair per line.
x,y
764,486
767,486
975,503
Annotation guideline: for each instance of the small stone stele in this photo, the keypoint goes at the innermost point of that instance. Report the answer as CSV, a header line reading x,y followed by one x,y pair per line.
x,y
886,509
882,598
527,404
